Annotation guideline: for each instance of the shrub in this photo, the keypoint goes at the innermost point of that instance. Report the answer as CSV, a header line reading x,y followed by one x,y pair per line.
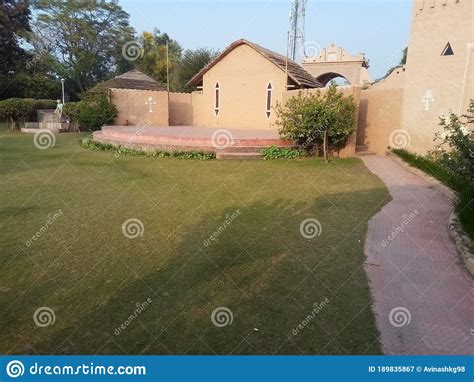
x,y
92,112
456,148
324,119
274,152
18,110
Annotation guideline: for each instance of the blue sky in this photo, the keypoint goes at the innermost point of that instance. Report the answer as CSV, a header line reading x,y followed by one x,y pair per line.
x,y
379,28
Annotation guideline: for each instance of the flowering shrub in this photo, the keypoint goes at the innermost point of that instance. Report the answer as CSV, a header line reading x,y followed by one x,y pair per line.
x,y
455,150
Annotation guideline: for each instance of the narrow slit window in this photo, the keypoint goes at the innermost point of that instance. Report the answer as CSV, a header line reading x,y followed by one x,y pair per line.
x,y
448,50
269,100
217,99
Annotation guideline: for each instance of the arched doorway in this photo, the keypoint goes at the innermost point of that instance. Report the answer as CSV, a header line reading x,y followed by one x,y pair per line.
x,y
335,62
327,78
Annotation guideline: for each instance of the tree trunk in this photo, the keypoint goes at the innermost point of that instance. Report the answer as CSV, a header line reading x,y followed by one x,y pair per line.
x,y
325,145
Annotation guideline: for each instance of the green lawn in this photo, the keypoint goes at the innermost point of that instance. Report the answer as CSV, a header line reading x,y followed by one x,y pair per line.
x,y
260,267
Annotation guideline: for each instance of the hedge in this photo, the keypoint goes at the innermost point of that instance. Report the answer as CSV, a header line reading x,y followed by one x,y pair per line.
x,y
17,111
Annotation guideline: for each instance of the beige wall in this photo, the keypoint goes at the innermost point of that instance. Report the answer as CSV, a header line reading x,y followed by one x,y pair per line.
x,y
434,24
133,109
379,115
243,76
181,109
396,80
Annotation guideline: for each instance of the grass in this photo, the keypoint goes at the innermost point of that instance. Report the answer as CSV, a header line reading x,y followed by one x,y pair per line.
x,y
465,205
259,266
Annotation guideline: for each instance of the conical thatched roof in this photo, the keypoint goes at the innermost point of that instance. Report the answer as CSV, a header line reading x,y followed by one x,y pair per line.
x,y
134,79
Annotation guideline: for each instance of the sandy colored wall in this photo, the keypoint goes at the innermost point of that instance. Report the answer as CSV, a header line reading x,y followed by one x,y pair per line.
x,y
447,78
396,80
354,91
133,109
181,109
379,116
243,78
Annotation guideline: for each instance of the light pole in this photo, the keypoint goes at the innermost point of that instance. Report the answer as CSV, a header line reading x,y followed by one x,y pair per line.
x,y
62,85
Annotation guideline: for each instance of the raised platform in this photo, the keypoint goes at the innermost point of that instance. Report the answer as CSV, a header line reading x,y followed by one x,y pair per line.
x,y
226,143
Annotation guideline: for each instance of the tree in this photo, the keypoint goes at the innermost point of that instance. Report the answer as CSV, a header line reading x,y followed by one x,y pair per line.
x,y
82,36
153,60
192,62
325,119
14,24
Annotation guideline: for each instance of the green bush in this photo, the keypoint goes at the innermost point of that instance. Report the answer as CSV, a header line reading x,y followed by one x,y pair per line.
x,y
17,111
325,119
92,112
274,152
456,148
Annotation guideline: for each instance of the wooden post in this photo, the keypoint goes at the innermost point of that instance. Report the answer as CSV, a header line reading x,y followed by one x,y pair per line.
x,y
286,62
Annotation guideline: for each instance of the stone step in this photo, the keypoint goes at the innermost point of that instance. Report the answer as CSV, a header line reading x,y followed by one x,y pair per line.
x,y
238,155
364,153
361,148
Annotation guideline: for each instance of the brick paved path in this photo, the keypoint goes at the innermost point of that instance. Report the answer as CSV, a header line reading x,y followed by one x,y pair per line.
x,y
423,298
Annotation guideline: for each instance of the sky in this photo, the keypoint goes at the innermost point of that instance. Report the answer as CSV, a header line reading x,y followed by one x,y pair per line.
x,y
378,28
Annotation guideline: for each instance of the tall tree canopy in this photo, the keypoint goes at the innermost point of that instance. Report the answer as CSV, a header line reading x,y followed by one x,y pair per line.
x,y
83,35
14,24
153,60
192,62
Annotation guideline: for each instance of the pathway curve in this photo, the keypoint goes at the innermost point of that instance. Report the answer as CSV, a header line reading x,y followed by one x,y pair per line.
x,y
423,298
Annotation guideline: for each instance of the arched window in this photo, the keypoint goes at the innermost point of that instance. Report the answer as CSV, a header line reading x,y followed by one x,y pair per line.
x,y
217,98
269,100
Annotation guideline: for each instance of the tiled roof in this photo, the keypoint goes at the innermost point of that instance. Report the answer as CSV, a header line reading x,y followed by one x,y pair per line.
x,y
295,71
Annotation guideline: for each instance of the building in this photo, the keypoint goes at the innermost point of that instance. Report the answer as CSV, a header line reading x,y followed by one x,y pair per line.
x,y
242,85
139,99
440,67
239,89
353,68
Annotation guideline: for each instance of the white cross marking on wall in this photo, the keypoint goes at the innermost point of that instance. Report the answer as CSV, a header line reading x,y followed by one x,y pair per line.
x,y
150,103
428,99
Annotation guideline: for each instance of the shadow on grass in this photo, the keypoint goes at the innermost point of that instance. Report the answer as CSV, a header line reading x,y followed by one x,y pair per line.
x,y
260,267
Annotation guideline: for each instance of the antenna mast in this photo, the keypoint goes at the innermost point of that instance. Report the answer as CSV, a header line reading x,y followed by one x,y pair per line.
x,y
297,25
